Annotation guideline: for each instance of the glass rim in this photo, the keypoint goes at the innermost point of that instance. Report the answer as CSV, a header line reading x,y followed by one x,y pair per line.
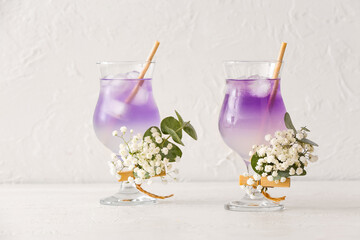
x,y
124,62
252,61
127,79
252,80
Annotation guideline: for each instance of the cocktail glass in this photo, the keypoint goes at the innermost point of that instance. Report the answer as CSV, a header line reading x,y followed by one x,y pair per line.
x,y
118,106
252,108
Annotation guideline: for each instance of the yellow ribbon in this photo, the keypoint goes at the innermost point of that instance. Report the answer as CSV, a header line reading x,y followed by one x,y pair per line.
x,y
266,195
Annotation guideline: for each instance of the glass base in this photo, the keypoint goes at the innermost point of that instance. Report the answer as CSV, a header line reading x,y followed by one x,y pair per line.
x,y
258,204
128,195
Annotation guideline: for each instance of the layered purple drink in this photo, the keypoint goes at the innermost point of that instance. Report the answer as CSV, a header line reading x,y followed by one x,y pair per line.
x,y
114,110
247,115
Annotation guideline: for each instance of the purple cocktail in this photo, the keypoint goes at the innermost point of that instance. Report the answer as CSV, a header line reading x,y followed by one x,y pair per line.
x,y
112,111
245,116
252,108
119,105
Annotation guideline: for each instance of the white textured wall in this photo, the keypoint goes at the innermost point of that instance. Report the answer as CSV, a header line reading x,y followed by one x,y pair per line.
x,y
49,80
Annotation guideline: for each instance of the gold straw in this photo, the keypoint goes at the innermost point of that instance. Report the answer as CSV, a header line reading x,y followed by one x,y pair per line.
x,y
276,75
142,74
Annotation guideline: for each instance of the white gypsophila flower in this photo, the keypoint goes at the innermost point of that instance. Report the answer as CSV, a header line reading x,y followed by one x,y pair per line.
x,y
131,130
147,139
270,159
166,161
165,151
276,181
268,168
299,171
115,133
158,157
250,182
113,156
123,129
158,170
251,153
264,174
177,159
158,139
273,141
274,174
292,171
261,151
256,177
138,181
155,134
299,135
130,179
290,131
270,178
267,137
122,146
169,146
282,179
119,163
278,134
302,159
156,150
259,187
153,130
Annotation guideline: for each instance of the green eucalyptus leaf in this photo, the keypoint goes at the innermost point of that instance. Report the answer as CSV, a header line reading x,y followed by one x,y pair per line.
x,y
174,152
307,141
189,129
179,118
288,122
173,135
281,174
254,159
305,129
173,124
149,133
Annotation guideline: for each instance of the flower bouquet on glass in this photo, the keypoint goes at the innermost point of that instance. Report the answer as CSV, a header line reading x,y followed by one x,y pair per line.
x,y
286,155
153,154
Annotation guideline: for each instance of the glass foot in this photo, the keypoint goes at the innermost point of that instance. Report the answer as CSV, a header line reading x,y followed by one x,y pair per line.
x,y
128,196
258,204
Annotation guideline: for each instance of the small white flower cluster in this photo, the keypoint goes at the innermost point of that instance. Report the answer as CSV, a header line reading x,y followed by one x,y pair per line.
x,y
250,188
284,156
146,158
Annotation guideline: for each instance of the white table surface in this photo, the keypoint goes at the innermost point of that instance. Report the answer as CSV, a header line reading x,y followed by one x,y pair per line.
x,y
314,210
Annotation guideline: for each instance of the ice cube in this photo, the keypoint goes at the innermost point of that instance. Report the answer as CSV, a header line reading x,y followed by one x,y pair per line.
x,y
132,75
141,97
260,87
115,108
256,76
